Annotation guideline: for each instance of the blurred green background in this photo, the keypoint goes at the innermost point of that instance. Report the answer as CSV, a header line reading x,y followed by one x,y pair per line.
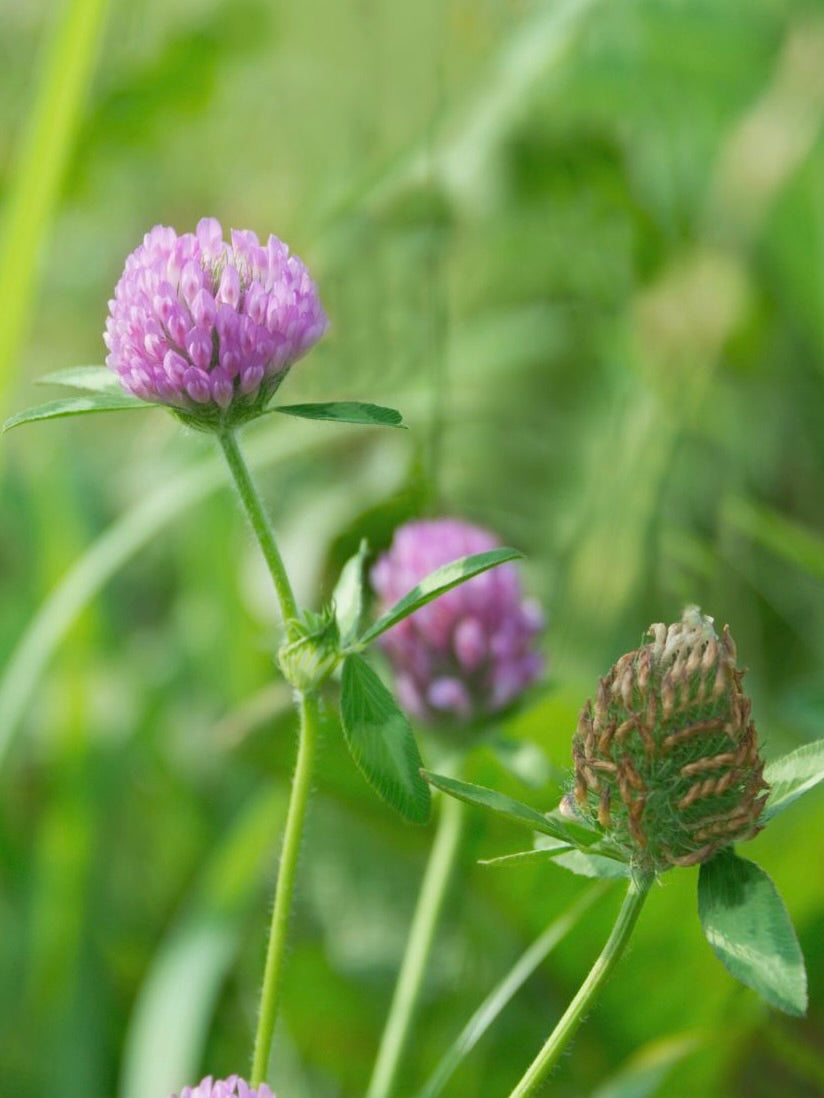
x,y
581,245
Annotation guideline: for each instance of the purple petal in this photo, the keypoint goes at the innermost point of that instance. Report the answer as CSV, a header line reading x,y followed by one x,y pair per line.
x,y
450,695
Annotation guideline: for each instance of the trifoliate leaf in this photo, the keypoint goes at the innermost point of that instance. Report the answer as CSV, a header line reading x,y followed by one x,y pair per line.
x,y
93,379
76,406
381,741
749,930
348,597
436,583
345,411
792,776
505,806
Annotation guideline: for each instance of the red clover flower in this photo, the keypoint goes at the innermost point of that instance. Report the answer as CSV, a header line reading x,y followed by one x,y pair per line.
x,y
233,1087
469,653
209,327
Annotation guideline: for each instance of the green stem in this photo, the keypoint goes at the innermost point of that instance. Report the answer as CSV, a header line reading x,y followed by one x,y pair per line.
x,y
301,784
577,1010
418,946
307,705
503,993
253,506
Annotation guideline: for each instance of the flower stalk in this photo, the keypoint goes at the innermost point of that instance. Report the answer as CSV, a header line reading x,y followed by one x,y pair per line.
x,y
256,513
307,705
457,661
284,888
580,1006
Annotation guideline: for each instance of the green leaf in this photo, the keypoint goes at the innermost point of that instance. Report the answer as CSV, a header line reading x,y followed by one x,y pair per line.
x,y
592,864
505,806
525,856
348,598
528,856
75,406
791,776
345,411
381,741
436,583
93,379
747,925
586,863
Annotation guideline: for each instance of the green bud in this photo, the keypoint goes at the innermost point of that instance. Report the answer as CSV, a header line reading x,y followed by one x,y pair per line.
x,y
311,651
666,760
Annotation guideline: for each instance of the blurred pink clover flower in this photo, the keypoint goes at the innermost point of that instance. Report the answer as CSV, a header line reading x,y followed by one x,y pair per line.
x,y
469,653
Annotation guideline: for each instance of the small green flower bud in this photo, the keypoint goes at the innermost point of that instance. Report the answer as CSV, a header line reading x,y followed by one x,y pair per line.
x,y
311,651
666,760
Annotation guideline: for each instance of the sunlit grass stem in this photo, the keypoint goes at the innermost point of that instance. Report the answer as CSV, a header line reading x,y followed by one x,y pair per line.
x,y
47,140
301,782
580,1006
418,947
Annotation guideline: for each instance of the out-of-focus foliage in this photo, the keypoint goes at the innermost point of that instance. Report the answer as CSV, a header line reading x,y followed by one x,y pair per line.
x,y
580,244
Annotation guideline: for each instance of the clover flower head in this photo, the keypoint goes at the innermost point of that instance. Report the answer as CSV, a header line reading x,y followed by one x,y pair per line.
x,y
207,326
667,763
233,1087
470,652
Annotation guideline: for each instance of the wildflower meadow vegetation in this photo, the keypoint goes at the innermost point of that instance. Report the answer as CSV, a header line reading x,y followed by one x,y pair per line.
x,y
411,549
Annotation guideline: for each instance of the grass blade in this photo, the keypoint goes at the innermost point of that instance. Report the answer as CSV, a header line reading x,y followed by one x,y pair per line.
x,y
114,547
647,1069
784,537
53,123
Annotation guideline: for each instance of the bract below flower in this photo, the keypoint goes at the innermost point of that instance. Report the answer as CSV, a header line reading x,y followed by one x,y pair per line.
x,y
210,327
470,652
233,1087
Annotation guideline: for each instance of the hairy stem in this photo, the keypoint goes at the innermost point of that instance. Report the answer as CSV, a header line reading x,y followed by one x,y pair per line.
x,y
577,1010
307,705
256,513
502,994
270,990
